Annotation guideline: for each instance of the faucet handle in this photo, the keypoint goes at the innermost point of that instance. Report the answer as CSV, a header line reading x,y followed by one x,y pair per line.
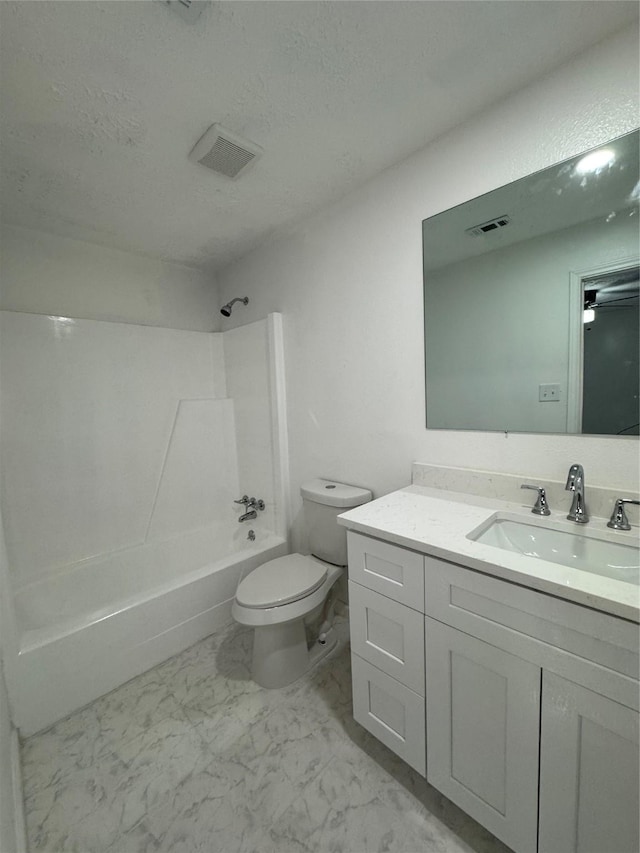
x,y
245,499
252,503
541,506
619,520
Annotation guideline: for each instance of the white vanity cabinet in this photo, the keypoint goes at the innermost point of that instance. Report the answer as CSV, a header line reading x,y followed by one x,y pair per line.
x,y
529,702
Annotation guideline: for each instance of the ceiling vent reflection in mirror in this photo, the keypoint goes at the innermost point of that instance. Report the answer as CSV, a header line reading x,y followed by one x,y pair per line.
x,y
224,152
189,10
487,227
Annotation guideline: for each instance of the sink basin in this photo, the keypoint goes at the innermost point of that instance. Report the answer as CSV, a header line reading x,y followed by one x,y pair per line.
x,y
549,540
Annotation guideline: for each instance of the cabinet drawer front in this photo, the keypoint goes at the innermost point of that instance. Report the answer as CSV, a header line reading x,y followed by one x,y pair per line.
x,y
388,569
388,635
595,649
390,711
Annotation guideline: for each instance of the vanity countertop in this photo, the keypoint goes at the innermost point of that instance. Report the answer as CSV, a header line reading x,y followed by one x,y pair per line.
x,y
437,522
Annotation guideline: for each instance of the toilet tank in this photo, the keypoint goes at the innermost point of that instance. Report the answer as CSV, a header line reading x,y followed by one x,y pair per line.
x,y
323,501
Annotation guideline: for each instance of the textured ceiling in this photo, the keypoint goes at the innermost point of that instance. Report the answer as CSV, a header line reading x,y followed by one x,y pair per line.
x,y
101,103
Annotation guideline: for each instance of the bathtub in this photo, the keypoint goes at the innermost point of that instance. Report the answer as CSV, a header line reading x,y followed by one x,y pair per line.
x,y
96,624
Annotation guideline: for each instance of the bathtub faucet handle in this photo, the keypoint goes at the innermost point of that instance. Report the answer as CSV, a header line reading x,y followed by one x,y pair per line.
x,y
245,499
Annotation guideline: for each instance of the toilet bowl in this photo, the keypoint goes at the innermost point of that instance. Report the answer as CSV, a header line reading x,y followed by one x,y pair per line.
x,y
280,596
277,599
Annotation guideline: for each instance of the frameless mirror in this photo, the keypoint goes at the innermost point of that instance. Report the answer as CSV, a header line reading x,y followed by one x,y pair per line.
x,y
531,301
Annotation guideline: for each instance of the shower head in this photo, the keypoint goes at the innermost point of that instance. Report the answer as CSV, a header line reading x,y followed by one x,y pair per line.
x,y
226,309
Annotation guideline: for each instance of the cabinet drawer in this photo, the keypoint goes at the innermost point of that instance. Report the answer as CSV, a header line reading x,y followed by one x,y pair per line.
x,y
390,711
388,569
388,635
594,649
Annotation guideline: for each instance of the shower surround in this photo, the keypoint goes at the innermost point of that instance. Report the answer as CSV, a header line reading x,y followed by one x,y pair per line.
x,y
123,448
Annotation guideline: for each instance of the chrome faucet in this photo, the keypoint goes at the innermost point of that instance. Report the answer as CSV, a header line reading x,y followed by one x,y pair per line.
x,y
251,505
575,484
541,506
619,520
248,516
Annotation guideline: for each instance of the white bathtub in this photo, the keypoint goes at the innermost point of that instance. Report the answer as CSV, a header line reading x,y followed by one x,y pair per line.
x,y
98,623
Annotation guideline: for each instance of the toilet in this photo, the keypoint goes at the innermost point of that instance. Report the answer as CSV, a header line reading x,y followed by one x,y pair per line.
x,y
280,596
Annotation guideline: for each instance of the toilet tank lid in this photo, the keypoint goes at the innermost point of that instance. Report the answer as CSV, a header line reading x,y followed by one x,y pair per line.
x,y
330,493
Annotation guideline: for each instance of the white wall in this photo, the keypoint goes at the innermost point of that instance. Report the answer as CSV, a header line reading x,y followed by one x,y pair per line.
x,y
111,435
349,283
11,812
9,829
497,326
8,628
47,274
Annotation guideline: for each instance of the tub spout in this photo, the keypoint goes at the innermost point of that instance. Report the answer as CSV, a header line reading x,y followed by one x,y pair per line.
x,y
248,516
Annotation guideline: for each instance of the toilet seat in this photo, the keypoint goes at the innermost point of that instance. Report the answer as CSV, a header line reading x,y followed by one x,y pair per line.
x,y
281,581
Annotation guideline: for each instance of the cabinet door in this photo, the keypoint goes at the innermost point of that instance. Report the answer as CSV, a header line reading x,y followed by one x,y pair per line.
x,y
483,721
588,771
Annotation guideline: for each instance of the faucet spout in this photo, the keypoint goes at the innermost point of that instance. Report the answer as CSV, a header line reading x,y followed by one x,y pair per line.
x,y
248,516
575,484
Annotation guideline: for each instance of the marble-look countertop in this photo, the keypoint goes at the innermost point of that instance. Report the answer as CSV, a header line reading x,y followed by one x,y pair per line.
x,y
437,522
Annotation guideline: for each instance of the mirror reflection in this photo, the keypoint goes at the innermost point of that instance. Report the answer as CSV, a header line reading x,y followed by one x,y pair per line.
x,y
531,302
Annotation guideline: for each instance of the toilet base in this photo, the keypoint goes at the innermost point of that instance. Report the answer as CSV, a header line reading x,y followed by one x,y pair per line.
x,y
281,656
320,650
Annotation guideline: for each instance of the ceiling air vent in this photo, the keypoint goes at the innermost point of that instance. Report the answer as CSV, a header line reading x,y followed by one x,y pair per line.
x,y
189,10
224,152
487,227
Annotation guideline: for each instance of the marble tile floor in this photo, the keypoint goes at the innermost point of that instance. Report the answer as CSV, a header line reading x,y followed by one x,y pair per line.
x,y
193,757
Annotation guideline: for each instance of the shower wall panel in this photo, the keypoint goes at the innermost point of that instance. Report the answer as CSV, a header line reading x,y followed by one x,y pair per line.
x,y
93,414
248,369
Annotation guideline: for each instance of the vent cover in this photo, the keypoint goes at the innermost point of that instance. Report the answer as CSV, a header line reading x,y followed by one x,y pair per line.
x,y
224,152
487,227
189,10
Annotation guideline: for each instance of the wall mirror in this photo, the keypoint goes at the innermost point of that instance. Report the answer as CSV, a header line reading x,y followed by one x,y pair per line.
x,y
531,301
